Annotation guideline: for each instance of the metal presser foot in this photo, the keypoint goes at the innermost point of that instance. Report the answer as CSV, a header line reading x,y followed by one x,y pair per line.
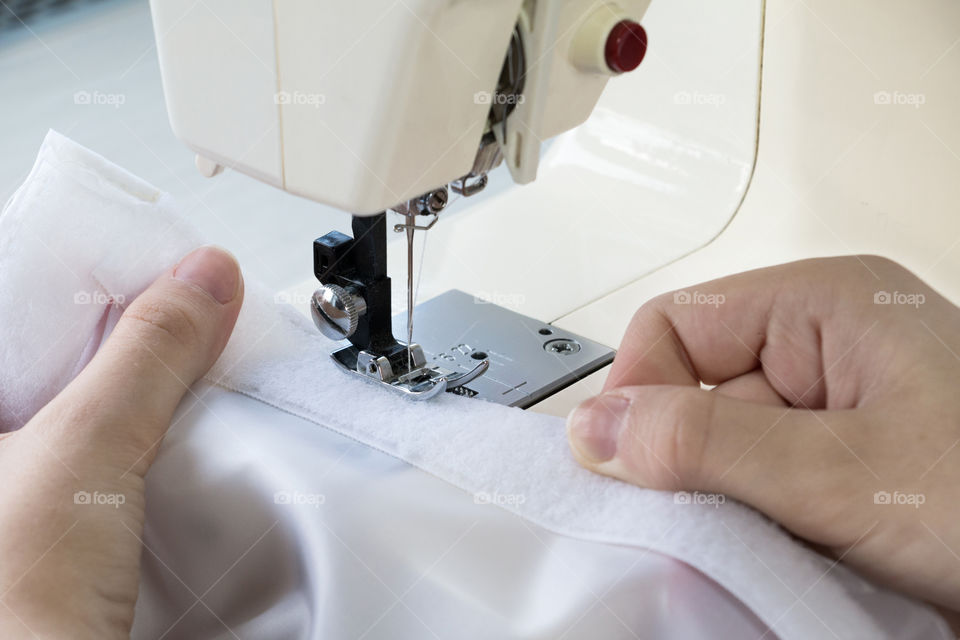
x,y
403,369
422,381
354,303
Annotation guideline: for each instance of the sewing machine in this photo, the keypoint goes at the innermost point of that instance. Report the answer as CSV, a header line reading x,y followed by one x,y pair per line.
x,y
383,106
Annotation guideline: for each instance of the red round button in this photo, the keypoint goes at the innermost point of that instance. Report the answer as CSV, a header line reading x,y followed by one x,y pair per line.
x,y
626,46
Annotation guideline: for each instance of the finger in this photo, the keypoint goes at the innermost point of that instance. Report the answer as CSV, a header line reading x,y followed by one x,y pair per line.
x,y
673,438
775,319
167,339
751,387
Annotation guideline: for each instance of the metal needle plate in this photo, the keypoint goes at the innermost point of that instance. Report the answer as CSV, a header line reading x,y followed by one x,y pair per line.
x,y
529,360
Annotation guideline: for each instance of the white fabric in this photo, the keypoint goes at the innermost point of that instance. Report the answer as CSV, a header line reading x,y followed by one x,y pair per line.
x,y
80,224
391,552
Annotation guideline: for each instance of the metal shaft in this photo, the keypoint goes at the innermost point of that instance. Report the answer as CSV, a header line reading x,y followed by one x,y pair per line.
x,y
410,224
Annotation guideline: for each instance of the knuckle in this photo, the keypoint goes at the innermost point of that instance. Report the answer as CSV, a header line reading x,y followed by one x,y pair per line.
x,y
673,439
165,323
689,418
650,308
660,302
877,262
870,266
853,268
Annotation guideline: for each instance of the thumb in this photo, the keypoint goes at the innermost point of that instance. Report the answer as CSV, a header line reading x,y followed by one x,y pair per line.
x,y
123,400
680,437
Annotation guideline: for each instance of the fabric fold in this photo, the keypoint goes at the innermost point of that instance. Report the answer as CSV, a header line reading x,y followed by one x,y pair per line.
x,y
81,238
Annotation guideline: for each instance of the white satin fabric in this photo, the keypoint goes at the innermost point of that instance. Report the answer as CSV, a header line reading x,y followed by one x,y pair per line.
x,y
378,549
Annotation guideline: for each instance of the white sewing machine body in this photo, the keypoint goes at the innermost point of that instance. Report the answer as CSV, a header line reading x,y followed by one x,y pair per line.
x,y
380,106
364,105
656,172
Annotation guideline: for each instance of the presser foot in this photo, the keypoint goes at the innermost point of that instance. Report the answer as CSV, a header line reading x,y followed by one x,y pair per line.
x,y
406,372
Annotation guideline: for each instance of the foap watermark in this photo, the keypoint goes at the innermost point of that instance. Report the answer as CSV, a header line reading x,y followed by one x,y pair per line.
x,y
299,498
314,100
899,297
501,298
715,100
912,499
499,499
915,100
98,298
98,498
710,499
696,297
285,297
115,100
485,97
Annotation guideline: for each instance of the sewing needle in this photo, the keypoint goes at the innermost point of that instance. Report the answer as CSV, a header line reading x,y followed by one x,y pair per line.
x,y
410,229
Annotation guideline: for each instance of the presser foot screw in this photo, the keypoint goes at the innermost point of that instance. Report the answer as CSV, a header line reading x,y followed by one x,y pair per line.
x,y
336,311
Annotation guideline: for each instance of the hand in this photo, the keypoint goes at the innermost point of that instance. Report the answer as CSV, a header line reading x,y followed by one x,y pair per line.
x,y
71,508
836,410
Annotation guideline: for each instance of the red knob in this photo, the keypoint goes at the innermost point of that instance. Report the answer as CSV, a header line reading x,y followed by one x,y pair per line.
x,y
626,46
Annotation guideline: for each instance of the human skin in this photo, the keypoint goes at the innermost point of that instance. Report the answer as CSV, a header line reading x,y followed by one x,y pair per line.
x,y
70,565
834,411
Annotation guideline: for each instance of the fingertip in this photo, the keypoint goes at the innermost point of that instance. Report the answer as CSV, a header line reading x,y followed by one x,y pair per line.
x,y
214,270
639,434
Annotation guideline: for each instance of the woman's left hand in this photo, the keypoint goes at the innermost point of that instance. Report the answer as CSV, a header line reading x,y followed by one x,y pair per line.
x,y
72,499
